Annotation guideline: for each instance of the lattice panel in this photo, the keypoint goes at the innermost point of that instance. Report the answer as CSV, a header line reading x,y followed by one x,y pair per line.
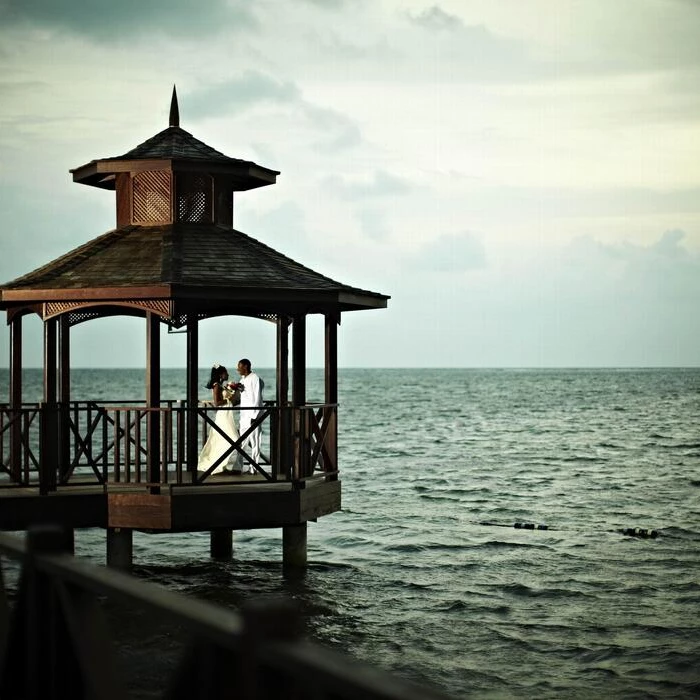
x,y
80,317
194,198
80,311
152,197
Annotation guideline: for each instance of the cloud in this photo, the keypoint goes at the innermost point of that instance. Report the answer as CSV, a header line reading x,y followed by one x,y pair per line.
x,y
239,94
456,253
334,131
586,303
663,269
452,51
283,228
380,184
436,18
329,4
120,21
330,129
373,223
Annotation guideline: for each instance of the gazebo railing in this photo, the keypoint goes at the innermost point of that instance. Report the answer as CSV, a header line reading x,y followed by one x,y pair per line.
x,y
87,442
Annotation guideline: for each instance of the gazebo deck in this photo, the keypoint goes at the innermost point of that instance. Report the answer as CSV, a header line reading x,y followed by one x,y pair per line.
x,y
224,501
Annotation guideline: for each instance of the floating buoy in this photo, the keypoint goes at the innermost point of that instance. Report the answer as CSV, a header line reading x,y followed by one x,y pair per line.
x,y
640,532
530,526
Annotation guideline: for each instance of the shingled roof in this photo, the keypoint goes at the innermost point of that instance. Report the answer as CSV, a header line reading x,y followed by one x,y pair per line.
x,y
175,144
187,258
202,268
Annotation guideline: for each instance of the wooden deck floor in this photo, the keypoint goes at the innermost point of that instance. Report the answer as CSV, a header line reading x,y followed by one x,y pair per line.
x,y
223,501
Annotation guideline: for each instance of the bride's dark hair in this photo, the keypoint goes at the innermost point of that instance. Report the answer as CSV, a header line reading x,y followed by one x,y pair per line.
x,y
215,377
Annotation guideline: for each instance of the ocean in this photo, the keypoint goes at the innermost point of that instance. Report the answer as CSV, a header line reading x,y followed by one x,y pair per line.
x,y
425,573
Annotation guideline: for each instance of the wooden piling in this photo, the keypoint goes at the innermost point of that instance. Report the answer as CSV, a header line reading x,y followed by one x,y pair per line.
x,y
221,544
120,547
294,546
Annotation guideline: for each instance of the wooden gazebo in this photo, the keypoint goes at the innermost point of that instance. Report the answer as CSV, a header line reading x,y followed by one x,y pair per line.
x,y
175,259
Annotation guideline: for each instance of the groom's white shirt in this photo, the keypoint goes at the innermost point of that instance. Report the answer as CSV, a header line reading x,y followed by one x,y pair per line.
x,y
251,396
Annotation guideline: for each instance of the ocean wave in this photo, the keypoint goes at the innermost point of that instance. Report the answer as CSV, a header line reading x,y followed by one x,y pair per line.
x,y
501,544
523,591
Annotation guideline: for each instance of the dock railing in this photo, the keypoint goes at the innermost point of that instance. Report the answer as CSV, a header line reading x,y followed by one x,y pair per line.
x,y
52,445
56,641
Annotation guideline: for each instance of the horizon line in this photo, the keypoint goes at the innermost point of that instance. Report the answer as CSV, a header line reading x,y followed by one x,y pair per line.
x,y
412,367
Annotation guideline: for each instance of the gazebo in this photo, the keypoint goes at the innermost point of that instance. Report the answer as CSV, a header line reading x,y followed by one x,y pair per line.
x,y
174,258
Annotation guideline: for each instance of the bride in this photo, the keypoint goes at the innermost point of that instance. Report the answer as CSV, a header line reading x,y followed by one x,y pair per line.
x,y
216,445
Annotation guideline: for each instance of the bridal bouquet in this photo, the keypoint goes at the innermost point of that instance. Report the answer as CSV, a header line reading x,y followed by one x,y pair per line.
x,y
230,389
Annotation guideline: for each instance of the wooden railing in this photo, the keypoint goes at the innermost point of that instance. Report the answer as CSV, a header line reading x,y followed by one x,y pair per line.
x,y
86,442
55,641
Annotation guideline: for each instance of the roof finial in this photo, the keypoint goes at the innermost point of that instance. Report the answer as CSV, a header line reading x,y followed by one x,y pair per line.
x,y
174,110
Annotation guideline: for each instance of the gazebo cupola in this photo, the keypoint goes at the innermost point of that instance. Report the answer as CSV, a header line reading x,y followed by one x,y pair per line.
x,y
174,178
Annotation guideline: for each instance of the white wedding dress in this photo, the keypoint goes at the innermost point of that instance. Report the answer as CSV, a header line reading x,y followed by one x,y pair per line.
x,y
216,444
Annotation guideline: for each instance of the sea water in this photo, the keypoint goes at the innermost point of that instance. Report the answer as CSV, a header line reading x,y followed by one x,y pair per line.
x,y
423,572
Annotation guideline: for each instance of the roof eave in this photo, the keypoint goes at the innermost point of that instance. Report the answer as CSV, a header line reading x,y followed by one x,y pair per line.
x,y
266,298
31,295
245,175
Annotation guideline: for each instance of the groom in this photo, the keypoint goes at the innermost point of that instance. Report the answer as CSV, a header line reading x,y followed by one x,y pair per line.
x,y
251,402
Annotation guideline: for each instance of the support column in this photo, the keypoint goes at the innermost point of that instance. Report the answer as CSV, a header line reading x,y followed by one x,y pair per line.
x,y
294,546
299,361
16,397
64,358
281,454
153,398
64,395
192,391
331,354
330,418
50,377
282,360
300,446
221,544
120,547
49,419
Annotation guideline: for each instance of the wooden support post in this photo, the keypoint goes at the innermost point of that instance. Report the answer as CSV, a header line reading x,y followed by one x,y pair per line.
x,y
331,382
16,398
299,361
282,360
38,660
153,398
120,547
221,544
294,546
299,395
49,438
48,446
50,328
331,354
192,391
281,454
64,396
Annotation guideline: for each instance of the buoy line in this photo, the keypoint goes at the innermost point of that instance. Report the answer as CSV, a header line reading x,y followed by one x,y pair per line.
x,y
641,532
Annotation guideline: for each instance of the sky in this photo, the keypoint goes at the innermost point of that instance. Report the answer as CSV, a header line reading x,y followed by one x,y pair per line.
x,y
520,176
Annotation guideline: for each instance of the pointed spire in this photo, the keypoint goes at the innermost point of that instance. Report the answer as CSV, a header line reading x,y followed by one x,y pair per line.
x,y
174,110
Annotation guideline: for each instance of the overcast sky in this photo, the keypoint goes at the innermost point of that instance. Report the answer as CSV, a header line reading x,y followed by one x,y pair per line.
x,y
521,176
